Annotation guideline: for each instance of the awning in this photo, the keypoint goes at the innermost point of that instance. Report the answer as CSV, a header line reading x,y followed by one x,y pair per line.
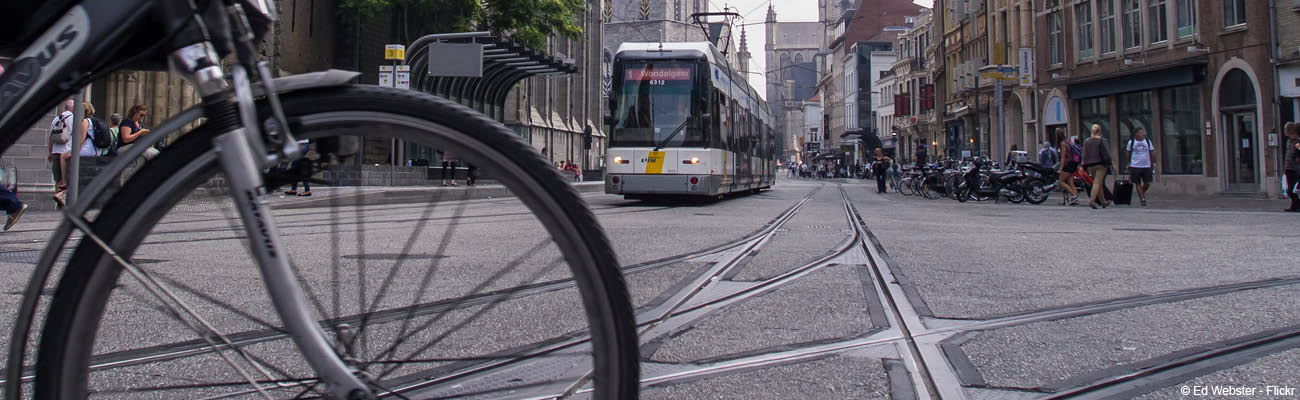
x,y
505,63
1167,77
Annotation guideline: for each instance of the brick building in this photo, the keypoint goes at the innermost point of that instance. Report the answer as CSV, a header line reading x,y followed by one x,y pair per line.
x,y
1195,74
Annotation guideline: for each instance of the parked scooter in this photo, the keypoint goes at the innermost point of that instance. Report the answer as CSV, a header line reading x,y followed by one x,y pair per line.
x,y
1039,182
981,183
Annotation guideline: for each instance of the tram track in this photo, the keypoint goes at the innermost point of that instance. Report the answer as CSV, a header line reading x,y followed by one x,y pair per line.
x,y
923,337
192,348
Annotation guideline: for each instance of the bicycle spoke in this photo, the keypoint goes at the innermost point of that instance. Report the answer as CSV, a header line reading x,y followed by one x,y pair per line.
x,y
491,306
401,338
406,249
163,295
224,305
444,241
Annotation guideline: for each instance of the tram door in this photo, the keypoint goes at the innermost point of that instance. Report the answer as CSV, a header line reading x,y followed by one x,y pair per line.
x,y
735,145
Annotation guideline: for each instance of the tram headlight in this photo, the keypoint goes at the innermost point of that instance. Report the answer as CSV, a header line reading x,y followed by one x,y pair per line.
x,y
693,160
619,160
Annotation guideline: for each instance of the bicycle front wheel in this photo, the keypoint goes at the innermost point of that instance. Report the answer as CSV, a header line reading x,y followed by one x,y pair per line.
x,y
505,289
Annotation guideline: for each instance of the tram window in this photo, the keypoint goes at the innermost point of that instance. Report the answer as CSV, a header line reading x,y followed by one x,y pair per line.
x,y
715,131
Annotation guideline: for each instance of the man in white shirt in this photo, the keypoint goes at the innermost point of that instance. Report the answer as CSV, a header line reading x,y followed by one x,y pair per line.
x,y
63,122
1141,170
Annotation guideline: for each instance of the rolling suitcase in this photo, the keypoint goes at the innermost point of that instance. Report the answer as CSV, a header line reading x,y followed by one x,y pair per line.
x,y
1123,192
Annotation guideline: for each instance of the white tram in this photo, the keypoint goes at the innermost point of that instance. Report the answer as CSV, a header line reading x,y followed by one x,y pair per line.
x,y
685,123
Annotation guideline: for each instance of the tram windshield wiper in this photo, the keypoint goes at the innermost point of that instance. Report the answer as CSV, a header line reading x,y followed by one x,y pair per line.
x,y
674,134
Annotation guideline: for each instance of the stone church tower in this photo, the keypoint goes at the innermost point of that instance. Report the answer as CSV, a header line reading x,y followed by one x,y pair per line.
x,y
791,55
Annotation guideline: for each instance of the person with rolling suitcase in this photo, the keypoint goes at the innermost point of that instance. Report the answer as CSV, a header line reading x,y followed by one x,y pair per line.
x,y
1123,192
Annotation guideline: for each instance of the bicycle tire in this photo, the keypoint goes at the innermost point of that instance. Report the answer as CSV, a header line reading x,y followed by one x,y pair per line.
x,y
83,290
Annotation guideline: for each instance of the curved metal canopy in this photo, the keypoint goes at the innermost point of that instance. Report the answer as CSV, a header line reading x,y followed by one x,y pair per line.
x,y
505,63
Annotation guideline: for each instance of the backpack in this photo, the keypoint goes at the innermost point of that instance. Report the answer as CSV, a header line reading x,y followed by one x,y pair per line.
x,y
59,129
1076,154
104,139
1052,157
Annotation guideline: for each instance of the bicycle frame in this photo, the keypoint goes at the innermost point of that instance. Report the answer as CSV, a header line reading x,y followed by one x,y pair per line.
x,y
56,65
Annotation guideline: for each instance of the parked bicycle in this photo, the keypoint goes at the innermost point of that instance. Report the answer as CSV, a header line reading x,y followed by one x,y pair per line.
x,y
321,312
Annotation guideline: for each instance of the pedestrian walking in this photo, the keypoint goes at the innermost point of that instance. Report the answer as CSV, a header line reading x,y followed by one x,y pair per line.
x,y
13,207
1071,157
57,145
1097,161
471,174
1292,164
1048,157
880,167
1140,166
301,168
449,167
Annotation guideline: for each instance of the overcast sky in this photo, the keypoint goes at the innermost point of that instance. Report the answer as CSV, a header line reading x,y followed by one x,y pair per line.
x,y
755,12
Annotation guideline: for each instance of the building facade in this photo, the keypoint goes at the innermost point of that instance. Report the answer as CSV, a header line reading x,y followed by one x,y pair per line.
x,y
914,122
853,37
1194,74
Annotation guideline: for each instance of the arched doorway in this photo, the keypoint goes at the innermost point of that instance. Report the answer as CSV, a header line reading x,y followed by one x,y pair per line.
x,y
1055,116
1014,125
1237,119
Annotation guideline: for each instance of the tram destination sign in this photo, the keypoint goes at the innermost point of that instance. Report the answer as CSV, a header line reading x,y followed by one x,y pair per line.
x,y
658,74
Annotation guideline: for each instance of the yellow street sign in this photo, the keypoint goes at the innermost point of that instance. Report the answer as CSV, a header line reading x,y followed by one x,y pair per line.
x,y
394,52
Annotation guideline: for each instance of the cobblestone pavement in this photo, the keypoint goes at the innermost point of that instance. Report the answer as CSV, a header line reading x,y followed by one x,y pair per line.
x,y
815,289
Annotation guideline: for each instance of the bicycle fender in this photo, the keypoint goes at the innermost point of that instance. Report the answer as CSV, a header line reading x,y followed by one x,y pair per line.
x,y
312,80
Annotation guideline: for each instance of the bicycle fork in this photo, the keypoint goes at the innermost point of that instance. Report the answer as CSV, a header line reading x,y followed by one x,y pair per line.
x,y
242,153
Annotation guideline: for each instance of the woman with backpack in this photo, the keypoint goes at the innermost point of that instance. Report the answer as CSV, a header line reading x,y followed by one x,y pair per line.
x,y
1069,165
84,135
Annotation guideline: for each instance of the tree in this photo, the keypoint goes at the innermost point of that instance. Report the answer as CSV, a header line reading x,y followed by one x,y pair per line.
x,y
527,21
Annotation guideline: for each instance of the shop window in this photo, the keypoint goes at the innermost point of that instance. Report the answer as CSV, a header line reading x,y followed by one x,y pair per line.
x,y
1094,111
1180,121
1134,111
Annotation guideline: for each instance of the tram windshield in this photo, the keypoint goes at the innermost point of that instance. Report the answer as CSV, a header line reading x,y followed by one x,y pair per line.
x,y
655,100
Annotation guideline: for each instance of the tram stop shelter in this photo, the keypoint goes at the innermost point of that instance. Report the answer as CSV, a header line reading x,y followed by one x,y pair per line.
x,y
477,69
